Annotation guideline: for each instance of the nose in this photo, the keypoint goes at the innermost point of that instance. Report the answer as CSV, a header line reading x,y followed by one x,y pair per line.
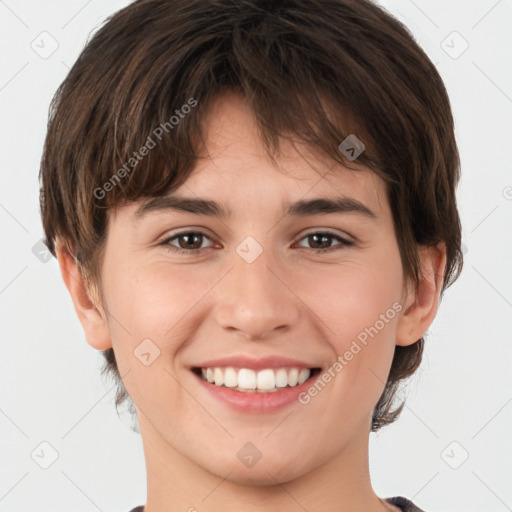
x,y
255,300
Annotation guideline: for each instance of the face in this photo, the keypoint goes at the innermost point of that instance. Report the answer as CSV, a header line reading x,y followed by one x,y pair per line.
x,y
274,292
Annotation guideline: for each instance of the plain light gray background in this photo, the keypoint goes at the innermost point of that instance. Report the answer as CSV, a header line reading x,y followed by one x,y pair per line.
x,y
451,450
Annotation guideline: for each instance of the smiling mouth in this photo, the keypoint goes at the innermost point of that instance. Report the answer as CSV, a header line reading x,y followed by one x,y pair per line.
x,y
247,380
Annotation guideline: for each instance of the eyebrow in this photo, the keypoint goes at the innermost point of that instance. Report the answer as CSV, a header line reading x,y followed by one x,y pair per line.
x,y
211,208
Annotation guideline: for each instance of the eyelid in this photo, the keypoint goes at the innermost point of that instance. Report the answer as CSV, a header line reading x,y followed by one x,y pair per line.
x,y
196,230
328,231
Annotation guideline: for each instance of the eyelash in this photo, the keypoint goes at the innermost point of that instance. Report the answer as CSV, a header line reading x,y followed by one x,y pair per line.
x,y
192,252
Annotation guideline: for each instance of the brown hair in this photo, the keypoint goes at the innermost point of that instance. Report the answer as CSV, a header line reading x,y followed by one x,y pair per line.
x,y
313,70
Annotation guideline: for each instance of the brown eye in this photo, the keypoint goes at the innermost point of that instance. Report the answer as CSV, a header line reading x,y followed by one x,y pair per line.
x,y
320,241
189,242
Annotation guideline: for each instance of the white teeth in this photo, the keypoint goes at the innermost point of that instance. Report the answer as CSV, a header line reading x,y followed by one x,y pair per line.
x,y
266,379
230,378
293,377
246,379
303,376
281,378
218,375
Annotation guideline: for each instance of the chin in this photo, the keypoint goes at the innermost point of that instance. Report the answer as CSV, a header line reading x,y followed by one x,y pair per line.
x,y
265,472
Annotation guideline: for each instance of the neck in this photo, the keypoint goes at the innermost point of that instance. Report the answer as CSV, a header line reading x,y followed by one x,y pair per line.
x,y
175,483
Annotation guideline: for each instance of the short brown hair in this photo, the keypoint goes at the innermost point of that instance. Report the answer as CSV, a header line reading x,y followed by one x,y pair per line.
x,y
313,70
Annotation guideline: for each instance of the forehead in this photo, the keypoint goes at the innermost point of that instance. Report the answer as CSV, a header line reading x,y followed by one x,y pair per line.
x,y
236,158
235,169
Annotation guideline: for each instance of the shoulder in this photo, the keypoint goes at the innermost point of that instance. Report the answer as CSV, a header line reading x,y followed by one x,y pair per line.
x,y
403,503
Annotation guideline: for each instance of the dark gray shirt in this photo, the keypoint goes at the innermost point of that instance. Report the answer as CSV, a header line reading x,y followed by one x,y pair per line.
x,y
401,502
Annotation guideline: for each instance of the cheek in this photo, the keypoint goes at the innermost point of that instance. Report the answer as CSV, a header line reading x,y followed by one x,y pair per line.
x,y
151,301
148,307
351,297
358,304
358,311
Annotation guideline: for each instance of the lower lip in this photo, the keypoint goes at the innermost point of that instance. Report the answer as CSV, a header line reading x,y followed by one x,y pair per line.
x,y
256,403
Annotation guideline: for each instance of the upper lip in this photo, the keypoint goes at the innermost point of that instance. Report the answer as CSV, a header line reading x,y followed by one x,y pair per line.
x,y
260,363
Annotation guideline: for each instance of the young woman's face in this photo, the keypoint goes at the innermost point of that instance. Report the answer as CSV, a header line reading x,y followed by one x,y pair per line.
x,y
269,293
